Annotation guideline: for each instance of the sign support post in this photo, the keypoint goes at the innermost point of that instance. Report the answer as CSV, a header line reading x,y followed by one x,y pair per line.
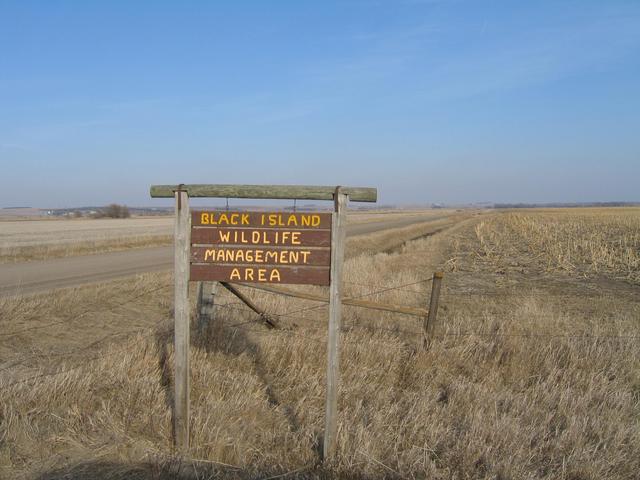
x,y
338,221
182,245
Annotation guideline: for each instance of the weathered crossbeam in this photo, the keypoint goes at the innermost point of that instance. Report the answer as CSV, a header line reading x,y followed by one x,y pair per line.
x,y
284,192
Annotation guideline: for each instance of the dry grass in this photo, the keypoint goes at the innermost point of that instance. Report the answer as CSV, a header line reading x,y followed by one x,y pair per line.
x,y
391,240
81,247
543,384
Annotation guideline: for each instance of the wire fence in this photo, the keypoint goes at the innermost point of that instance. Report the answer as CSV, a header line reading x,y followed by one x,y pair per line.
x,y
86,361
253,327
420,332
85,312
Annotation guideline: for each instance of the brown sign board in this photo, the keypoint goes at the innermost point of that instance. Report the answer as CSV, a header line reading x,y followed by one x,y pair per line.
x,y
260,274
284,220
260,237
320,257
261,247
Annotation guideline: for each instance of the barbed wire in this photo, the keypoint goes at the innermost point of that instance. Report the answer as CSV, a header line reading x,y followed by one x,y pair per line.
x,y
85,362
535,335
533,294
78,350
359,284
295,314
458,334
83,313
304,335
325,305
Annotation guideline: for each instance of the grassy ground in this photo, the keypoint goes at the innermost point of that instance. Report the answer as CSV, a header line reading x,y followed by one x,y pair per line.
x,y
534,371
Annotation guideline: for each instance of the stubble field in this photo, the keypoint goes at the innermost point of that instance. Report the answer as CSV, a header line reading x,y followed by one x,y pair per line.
x,y
534,371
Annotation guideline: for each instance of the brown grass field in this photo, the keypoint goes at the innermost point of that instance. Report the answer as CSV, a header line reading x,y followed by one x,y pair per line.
x,y
534,371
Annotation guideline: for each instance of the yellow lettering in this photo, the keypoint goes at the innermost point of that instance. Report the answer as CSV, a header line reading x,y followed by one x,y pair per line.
x,y
235,274
220,256
224,236
292,220
305,255
295,238
315,220
245,219
294,256
270,255
204,218
283,256
234,218
243,239
209,253
248,273
306,220
261,275
258,256
273,220
274,276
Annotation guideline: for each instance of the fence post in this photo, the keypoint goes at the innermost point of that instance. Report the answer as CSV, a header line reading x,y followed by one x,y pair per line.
x,y
338,221
182,235
430,320
206,304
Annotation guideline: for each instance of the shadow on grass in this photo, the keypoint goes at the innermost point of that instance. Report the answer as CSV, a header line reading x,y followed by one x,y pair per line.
x,y
186,469
167,470
215,335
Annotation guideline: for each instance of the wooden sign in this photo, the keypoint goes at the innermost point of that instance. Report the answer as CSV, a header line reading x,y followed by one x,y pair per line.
x,y
260,247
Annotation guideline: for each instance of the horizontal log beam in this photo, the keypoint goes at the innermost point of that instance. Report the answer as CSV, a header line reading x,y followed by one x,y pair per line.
x,y
415,311
284,192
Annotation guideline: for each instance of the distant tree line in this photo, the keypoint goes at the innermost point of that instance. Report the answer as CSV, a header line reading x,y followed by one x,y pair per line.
x,y
565,205
113,210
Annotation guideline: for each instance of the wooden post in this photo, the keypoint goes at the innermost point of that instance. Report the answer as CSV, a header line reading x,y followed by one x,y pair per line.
x,y
338,222
181,318
206,304
430,320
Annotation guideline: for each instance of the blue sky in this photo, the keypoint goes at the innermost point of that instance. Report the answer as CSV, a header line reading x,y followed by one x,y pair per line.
x,y
430,101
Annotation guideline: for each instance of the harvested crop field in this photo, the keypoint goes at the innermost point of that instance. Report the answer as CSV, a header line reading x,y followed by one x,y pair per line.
x,y
41,239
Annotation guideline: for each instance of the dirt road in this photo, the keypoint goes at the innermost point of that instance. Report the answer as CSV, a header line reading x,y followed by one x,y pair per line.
x,y
34,277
